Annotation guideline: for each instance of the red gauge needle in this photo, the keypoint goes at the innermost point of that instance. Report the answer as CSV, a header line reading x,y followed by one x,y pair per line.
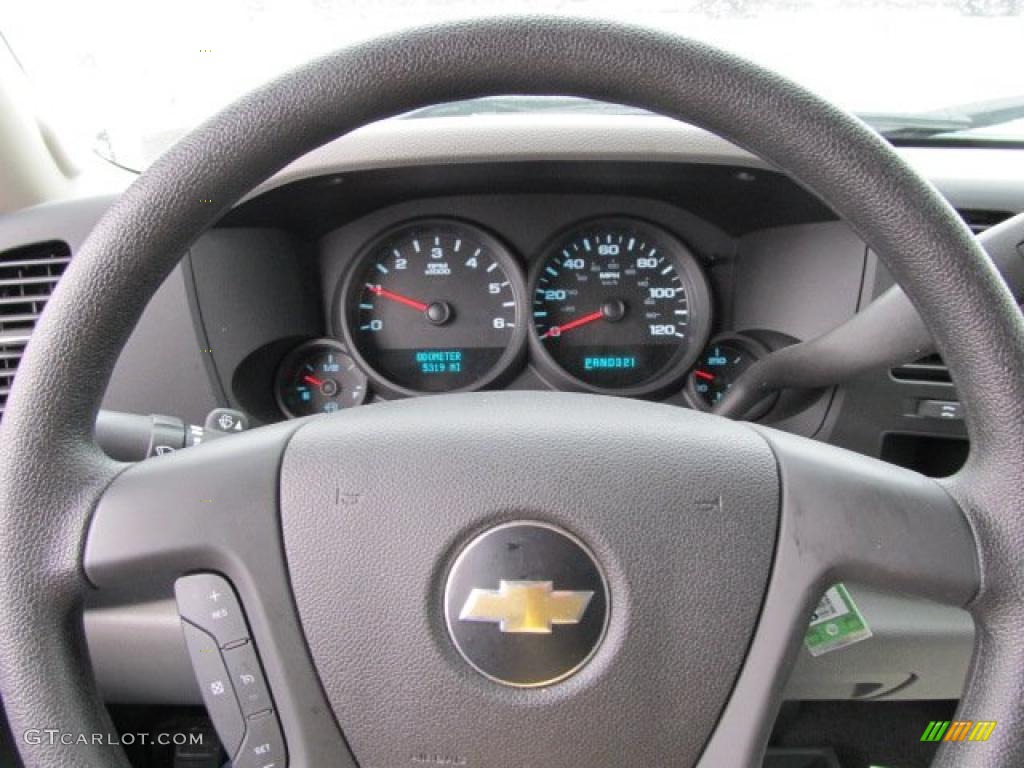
x,y
704,375
312,380
386,294
558,330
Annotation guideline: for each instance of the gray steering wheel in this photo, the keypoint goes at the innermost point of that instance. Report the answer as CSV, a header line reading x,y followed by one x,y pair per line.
x,y
339,535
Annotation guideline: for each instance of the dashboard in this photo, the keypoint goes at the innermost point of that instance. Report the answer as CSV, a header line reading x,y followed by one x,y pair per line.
x,y
613,279
620,256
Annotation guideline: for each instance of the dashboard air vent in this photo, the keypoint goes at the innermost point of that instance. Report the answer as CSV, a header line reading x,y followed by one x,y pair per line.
x,y
28,276
926,370
979,221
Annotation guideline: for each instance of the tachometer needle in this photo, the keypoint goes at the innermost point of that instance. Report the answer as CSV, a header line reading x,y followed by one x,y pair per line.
x,y
312,380
386,294
704,375
558,330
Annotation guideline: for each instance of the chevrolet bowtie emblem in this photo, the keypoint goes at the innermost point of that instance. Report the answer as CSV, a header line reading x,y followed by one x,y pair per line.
x,y
498,625
525,606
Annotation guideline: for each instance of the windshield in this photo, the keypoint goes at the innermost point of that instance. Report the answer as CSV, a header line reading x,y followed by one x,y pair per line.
x,y
126,78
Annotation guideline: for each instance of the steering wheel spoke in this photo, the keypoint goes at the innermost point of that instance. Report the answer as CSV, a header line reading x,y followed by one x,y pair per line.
x,y
844,517
214,510
210,508
848,516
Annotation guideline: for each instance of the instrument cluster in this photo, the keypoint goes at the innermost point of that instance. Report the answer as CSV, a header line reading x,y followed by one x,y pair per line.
x,y
613,305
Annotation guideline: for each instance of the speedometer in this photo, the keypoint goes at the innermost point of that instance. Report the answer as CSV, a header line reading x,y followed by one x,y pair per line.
x,y
618,306
434,306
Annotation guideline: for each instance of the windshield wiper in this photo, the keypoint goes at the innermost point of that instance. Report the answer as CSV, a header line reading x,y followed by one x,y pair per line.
x,y
949,120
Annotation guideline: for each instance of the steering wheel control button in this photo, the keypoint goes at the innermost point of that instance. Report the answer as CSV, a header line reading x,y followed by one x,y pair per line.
x,y
263,746
526,604
228,671
209,602
247,677
215,685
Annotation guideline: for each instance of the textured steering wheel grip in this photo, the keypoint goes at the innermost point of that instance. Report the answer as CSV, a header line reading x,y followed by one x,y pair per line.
x,y
51,473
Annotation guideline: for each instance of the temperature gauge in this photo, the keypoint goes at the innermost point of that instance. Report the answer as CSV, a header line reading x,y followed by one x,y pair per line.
x,y
319,377
719,365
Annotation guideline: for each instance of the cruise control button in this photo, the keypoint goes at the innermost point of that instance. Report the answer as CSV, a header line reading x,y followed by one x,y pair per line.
x,y
209,602
263,746
215,684
247,677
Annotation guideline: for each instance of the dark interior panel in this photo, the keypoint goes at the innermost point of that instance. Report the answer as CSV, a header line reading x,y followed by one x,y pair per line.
x,y
163,368
822,264
737,200
255,296
800,281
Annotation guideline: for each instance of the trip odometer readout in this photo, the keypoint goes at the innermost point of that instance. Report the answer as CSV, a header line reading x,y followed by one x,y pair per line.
x,y
618,306
433,306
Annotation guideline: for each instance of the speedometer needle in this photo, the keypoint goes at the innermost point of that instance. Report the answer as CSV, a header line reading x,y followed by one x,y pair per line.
x,y
312,380
704,375
386,294
558,330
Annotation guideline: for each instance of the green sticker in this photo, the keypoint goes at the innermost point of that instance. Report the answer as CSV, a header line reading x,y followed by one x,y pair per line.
x,y
835,623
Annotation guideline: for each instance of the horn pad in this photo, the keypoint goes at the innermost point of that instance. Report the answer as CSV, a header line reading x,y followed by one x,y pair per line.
x,y
403,519
526,604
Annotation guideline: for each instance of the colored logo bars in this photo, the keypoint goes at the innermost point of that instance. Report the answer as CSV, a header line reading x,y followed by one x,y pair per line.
x,y
958,730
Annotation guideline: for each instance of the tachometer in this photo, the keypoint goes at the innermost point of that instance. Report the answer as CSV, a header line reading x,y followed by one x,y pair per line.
x,y
618,306
434,306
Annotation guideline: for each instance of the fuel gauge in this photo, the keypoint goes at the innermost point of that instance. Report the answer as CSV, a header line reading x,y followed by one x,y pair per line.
x,y
319,377
719,365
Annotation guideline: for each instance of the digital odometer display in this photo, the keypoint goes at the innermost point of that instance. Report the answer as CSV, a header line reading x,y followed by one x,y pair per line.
x,y
434,306
618,305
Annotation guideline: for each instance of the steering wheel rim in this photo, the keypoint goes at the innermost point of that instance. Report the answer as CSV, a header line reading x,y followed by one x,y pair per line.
x,y
52,475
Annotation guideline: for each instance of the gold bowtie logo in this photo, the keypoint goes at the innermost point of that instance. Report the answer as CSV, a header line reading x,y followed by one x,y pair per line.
x,y
525,606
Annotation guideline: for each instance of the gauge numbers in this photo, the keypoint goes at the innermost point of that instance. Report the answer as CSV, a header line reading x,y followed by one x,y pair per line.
x,y
724,360
319,377
619,306
434,306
